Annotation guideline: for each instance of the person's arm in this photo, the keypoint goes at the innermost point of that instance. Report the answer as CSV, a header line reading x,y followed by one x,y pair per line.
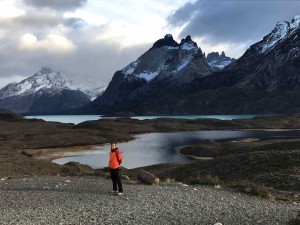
x,y
119,156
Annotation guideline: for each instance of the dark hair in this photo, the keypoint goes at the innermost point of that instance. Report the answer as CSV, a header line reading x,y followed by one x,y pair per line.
x,y
113,142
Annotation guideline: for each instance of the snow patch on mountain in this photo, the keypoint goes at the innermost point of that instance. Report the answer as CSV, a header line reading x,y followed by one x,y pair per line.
x,y
22,88
188,46
91,88
181,66
220,65
281,31
148,75
130,68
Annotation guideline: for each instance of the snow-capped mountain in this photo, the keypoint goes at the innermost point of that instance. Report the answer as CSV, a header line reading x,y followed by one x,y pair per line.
x,y
272,63
91,88
175,78
165,57
47,92
280,33
44,81
217,61
165,63
51,82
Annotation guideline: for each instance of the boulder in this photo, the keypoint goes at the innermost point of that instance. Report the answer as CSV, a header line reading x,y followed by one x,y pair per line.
x,y
147,178
125,177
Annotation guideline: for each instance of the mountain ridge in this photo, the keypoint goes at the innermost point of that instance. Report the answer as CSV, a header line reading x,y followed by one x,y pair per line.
x,y
165,62
266,75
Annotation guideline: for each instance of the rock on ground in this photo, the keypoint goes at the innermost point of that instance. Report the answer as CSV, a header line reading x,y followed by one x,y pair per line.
x,y
147,178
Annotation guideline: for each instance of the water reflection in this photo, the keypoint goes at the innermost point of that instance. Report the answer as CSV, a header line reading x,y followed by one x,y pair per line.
x,y
149,149
156,148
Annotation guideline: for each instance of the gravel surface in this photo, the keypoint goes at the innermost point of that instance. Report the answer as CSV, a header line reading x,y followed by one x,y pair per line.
x,y
85,200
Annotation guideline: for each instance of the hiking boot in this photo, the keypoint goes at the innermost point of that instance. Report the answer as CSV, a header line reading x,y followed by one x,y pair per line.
x,y
120,193
113,192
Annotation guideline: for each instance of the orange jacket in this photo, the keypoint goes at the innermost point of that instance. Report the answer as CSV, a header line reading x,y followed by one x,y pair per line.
x,y
115,159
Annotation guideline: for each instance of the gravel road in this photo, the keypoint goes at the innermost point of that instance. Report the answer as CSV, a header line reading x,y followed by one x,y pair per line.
x,y
85,200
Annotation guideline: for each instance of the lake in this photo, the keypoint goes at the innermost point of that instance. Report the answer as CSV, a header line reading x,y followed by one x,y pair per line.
x,y
156,148
81,118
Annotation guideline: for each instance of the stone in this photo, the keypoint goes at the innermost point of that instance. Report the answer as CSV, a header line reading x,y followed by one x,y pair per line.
x,y
147,178
218,186
125,177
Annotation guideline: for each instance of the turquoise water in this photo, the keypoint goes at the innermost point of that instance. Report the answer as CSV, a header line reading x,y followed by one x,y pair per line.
x,y
65,118
156,148
220,117
81,118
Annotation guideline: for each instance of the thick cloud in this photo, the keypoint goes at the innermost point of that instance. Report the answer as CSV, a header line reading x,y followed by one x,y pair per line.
x,y
232,22
36,39
84,59
60,5
38,22
90,43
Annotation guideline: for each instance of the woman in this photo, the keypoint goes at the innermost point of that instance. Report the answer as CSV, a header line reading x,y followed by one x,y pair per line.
x,y
115,160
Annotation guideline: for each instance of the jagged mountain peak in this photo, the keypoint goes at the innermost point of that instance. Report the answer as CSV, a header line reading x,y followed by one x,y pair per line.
x,y
166,56
188,43
188,38
168,36
166,41
218,61
216,54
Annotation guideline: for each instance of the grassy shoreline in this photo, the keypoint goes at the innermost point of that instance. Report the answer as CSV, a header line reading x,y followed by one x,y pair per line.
x,y
21,134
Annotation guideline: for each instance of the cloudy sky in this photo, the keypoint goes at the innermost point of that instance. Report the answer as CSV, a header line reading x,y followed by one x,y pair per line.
x,y
91,39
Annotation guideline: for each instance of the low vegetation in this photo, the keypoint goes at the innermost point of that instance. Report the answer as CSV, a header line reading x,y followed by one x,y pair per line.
x,y
264,168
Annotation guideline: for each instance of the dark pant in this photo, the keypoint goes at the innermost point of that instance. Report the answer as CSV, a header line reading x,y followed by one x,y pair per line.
x,y
116,179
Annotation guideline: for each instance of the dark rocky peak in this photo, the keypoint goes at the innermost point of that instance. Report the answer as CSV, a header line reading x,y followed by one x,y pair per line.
x,y
169,41
218,61
213,56
188,40
166,41
216,56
